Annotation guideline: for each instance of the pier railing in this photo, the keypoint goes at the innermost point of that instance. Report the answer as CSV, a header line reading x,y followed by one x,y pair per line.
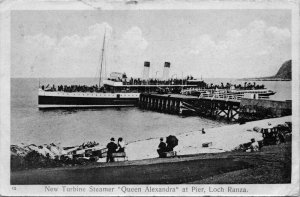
x,y
229,96
221,94
226,97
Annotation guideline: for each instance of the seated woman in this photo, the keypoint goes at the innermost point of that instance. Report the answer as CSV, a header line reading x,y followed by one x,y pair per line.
x,y
121,145
254,147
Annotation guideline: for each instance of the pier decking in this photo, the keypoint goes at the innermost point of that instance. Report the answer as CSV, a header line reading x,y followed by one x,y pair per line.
x,y
181,104
215,107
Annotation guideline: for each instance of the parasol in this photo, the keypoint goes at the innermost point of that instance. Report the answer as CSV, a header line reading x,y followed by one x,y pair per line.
x,y
172,141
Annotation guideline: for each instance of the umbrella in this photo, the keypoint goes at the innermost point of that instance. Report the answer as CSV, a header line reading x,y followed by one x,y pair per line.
x,y
172,141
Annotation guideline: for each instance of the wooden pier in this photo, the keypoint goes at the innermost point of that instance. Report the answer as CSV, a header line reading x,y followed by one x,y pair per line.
x,y
181,104
216,107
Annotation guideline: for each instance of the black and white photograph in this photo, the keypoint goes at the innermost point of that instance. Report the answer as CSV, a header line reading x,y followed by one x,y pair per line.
x,y
149,98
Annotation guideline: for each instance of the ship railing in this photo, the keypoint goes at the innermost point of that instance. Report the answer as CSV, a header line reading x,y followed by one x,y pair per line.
x,y
227,96
193,89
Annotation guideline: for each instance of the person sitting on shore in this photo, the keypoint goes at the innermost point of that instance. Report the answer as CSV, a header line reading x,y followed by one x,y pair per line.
x,y
254,147
269,127
121,145
161,147
112,147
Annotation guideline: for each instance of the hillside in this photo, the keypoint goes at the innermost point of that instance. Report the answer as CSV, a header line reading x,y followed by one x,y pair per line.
x,y
284,74
285,71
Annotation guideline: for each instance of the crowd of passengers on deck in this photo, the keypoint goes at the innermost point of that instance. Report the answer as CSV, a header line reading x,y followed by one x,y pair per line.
x,y
138,81
245,86
72,88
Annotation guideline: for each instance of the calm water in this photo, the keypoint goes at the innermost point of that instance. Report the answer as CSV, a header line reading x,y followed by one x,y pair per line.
x,y
73,127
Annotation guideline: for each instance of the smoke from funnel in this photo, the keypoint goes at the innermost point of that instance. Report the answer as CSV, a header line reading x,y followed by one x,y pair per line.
x,y
166,71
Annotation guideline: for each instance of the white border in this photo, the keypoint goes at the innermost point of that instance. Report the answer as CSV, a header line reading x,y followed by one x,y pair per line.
x,y
8,6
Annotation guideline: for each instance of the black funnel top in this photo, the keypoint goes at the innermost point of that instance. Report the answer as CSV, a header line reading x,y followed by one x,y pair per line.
x,y
167,64
146,64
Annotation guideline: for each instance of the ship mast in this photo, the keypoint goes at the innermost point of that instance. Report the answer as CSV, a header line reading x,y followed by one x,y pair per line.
x,y
102,58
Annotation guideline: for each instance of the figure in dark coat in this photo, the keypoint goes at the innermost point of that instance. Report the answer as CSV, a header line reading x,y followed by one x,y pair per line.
x,y
112,147
161,147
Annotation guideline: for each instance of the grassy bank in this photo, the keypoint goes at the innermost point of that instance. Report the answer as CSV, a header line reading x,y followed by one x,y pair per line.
x,y
271,165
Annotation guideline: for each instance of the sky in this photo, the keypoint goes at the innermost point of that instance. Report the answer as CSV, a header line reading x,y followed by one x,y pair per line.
x,y
207,43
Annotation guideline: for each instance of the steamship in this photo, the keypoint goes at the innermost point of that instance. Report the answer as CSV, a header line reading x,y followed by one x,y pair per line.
x,y
62,99
115,91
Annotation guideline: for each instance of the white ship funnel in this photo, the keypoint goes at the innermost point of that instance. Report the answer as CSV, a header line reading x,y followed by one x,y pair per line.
x,y
166,71
146,70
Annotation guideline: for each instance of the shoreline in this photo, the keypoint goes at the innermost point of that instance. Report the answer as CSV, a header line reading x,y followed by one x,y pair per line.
x,y
264,79
217,164
191,142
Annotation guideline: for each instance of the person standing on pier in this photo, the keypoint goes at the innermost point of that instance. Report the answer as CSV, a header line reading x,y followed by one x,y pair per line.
x,y
112,147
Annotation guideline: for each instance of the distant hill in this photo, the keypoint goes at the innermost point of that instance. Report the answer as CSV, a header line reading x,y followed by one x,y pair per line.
x,y
284,74
285,71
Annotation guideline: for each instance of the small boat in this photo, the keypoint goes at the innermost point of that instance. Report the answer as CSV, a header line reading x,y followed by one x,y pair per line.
x,y
230,93
254,94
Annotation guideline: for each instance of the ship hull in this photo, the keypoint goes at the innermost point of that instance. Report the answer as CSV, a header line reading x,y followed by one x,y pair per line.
x,y
267,94
47,100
